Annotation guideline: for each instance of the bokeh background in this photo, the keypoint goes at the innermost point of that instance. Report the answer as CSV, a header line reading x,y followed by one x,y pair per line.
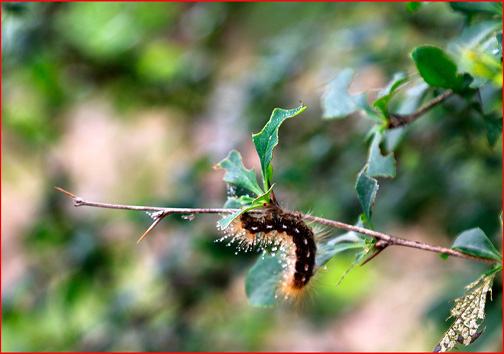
x,y
134,103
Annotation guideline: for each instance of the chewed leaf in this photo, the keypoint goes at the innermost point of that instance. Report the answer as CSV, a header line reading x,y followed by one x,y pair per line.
x,y
238,175
367,188
476,243
267,139
262,281
437,68
379,165
468,311
337,103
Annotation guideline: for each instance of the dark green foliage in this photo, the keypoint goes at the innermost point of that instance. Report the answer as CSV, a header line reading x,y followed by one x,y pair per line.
x,y
262,281
238,175
267,139
379,165
476,243
437,68
366,188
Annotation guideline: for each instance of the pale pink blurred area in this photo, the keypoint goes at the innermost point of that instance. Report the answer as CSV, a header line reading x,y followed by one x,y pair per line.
x,y
22,194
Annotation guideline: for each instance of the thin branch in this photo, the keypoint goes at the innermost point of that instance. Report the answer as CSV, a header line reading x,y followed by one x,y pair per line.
x,y
166,211
386,239
398,120
392,240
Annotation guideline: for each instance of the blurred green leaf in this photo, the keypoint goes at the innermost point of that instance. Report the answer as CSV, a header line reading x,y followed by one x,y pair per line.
x,y
388,92
366,188
498,37
473,7
238,175
263,280
338,103
159,61
437,68
484,66
479,39
476,243
379,165
266,140
412,6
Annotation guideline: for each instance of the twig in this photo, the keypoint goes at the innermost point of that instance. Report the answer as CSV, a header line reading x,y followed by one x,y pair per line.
x,y
166,211
398,120
386,240
392,240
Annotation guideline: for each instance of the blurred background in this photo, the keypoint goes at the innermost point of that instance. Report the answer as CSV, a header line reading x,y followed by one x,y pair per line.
x,y
133,103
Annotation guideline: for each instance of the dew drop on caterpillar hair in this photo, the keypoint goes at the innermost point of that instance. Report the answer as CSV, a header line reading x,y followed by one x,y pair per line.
x,y
278,232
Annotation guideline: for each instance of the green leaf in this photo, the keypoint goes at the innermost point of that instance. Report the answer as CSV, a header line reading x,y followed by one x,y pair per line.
x,y
379,165
498,37
412,6
476,243
473,7
367,188
349,240
388,92
437,68
235,202
269,174
493,127
264,198
238,175
224,222
364,107
337,103
262,281
477,43
267,139
358,258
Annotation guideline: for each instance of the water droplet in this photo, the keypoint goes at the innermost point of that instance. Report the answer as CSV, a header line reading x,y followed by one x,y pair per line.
x,y
189,217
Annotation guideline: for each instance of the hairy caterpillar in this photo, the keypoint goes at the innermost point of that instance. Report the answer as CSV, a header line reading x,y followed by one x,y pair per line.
x,y
282,232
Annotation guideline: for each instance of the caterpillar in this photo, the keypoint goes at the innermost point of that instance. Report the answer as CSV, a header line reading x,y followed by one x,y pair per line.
x,y
282,232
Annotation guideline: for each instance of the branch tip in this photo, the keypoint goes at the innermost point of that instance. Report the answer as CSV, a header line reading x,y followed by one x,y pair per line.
x,y
66,192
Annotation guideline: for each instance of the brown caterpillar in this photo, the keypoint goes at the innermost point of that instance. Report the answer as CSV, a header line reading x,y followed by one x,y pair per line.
x,y
285,232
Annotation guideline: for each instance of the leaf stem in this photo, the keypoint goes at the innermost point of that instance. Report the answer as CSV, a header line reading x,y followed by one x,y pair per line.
x,y
387,239
398,120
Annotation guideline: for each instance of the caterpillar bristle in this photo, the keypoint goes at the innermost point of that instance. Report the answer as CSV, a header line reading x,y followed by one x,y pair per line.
x,y
277,231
